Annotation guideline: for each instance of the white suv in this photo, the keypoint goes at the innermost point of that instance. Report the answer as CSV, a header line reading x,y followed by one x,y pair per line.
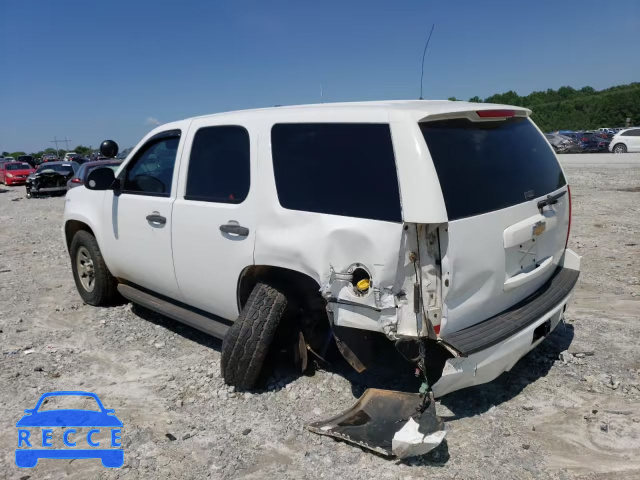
x,y
624,141
440,227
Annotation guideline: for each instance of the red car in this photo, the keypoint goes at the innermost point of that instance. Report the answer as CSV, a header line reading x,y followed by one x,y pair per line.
x,y
15,173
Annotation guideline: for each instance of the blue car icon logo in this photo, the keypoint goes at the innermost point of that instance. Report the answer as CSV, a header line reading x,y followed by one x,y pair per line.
x,y
40,432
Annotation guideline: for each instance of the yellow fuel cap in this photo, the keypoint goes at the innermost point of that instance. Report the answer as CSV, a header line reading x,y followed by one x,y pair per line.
x,y
363,285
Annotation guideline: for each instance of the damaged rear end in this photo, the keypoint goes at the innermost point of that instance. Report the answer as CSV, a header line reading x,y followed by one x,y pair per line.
x,y
448,240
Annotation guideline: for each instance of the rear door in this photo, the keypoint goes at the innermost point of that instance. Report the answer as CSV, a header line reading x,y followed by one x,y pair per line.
x,y
214,216
498,246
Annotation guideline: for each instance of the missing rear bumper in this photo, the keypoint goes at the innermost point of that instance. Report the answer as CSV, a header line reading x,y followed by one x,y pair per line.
x,y
387,422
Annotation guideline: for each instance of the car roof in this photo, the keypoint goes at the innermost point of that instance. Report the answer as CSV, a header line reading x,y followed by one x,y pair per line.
x,y
61,162
422,107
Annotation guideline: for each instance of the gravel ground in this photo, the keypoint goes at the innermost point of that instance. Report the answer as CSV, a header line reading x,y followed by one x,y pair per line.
x,y
569,409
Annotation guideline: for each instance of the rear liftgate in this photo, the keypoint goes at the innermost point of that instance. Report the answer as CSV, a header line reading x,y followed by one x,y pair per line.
x,y
391,423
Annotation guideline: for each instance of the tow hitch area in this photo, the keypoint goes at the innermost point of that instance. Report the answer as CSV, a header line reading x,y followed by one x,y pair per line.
x,y
387,422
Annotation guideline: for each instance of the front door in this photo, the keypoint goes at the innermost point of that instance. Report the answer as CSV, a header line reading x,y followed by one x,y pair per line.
x,y
139,240
214,220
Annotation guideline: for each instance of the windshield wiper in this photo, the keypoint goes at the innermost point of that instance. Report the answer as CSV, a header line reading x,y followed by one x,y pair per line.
x,y
550,200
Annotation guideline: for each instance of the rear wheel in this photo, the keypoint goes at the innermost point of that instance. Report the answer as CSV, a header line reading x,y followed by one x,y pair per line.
x,y
247,342
620,148
94,282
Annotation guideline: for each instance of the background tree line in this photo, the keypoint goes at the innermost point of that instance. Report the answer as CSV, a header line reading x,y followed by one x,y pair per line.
x,y
80,150
571,109
562,109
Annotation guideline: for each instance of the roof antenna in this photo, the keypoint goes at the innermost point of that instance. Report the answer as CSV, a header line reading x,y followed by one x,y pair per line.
x,y
423,54
321,96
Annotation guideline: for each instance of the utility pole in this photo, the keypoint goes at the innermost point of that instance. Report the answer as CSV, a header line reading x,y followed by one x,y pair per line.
x,y
65,141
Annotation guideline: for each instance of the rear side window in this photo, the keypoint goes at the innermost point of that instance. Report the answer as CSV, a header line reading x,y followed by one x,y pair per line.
x,y
337,168
631,133
487,166
219,168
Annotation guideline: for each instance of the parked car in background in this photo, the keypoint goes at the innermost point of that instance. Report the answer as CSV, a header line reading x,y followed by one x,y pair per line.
x,y
50,178
79,159
592,141
562,143
80,177
27,159
123,154
627,140
68,155
8,159
49,158
15,173
587,141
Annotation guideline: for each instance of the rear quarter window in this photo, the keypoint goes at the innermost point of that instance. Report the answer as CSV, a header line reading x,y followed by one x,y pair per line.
x,y
487,166
337,168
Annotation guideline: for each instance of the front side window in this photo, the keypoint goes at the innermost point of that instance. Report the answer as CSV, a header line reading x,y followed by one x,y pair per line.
x,y
151,171
344,169
219,169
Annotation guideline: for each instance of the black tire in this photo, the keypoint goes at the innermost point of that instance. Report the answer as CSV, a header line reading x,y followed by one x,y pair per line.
x,y
246,344
619,148
105,285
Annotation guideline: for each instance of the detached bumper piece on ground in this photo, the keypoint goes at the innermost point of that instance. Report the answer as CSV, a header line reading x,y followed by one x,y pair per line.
x,y
387,422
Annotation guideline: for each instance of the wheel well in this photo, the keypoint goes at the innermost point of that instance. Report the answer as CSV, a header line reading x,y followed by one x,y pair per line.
x,y
307,309
72,227
294,283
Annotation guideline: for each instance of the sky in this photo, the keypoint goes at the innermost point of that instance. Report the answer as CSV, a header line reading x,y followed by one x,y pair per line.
x,y
91,70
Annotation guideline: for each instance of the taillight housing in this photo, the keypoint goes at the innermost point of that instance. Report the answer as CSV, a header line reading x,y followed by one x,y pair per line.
x,y
569,227
496,113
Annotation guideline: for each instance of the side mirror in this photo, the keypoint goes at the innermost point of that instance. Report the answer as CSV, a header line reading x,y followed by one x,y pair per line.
x,y
109,148
100,179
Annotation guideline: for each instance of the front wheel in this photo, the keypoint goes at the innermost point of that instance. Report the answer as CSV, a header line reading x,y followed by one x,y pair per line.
x,y
246,344
94,282
620,148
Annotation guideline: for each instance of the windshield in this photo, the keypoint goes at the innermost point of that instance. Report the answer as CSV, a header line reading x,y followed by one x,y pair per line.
x,y
63,168
487,166
18,166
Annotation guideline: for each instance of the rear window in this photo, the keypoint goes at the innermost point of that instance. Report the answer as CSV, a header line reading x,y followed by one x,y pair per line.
x,y
337,168
487,166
